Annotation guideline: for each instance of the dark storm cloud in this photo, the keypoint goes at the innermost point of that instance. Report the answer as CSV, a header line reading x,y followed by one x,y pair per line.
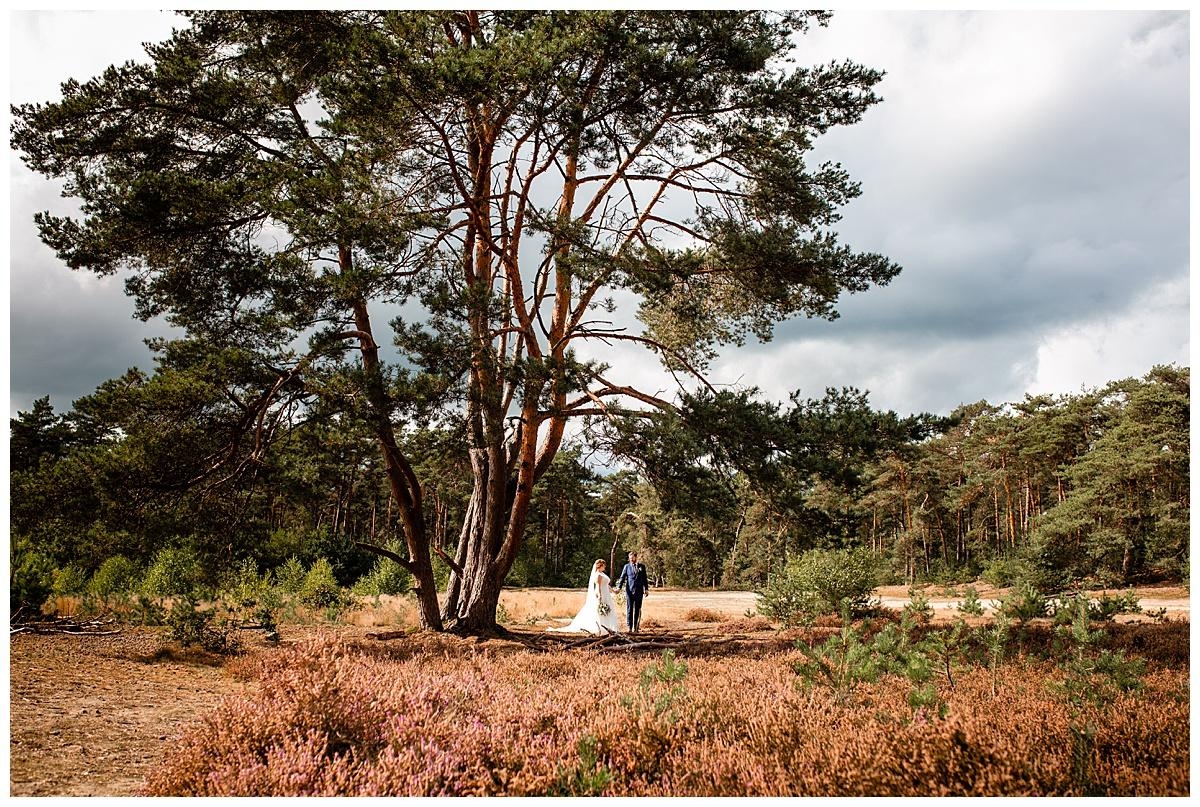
x,y
68,331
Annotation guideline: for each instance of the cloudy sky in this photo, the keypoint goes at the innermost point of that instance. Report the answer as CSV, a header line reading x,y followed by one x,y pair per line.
x,y
1029,171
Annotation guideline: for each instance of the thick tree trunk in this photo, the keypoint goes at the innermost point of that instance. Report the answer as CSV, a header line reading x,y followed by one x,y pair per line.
x,y
405,487
474,591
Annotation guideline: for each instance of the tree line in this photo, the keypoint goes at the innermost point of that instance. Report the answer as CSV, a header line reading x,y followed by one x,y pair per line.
x,y
1087,487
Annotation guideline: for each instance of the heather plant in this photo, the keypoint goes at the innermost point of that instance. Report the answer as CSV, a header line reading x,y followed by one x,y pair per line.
x,y
971,603
819,582
328,717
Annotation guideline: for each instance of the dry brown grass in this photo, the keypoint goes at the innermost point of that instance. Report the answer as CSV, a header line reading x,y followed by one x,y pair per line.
x,y
703,615
746,624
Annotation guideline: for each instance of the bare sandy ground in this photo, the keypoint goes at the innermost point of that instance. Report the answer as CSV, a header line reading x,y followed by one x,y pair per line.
x,y
553,605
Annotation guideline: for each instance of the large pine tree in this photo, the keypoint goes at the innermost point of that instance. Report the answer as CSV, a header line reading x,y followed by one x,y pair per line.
x,y
514,185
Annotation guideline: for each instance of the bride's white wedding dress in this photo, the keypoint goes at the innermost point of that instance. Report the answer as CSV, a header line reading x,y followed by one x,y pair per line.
x,y
589,619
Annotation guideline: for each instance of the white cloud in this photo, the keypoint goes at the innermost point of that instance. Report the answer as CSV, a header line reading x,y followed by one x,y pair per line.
x,y
1153,330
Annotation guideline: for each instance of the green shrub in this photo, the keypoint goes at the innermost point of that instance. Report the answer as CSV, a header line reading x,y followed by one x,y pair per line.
x,y
819,582
386,578
290,576
174,571
320,589
1005,572
971,603
243,584
918,605
31,576
70,579
190,626
588,777
144,610
1024,602
116,575
1106,607
283,544
841,663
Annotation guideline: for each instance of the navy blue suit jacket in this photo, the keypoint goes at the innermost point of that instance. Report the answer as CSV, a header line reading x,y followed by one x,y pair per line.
x,y
633,577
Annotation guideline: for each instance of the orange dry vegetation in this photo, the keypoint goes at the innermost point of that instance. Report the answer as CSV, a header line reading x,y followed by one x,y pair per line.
x,y
336,716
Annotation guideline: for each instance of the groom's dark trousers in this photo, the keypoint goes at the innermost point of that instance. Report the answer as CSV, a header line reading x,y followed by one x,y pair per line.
x,y
634,580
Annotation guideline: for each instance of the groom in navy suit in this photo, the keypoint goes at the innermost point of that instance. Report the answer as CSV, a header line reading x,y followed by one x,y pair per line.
x,y
633,577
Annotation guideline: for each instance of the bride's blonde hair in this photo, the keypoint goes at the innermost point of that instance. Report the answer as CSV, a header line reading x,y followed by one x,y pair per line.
x,y
599,562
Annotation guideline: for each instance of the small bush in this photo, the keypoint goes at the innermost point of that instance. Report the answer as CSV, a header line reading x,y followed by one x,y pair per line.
x,y
290,576
745,624
918,605
1005,572
819,582
1106,607
173,572
842,663
192,626
146,611
116,575
386,578
589,776
320,589
31,576
69,580
243,584
1024,603
703,615
971,603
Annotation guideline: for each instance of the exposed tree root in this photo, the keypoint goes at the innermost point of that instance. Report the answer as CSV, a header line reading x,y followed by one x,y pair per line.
x,y
684,644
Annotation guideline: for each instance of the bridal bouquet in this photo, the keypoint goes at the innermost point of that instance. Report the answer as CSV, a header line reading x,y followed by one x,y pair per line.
x,y
603,609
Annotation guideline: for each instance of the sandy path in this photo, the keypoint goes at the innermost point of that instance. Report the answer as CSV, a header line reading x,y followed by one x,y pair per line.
x,y
673,604
89,715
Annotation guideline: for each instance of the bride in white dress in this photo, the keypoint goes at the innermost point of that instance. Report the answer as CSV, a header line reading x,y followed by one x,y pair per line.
x,y
598,615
